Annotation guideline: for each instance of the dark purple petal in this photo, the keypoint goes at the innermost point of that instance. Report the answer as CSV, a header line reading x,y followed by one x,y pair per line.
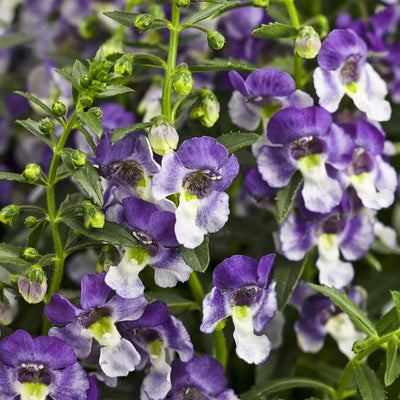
x,y
123,309
256,186
267,308
94,392
243,114
340,147
155,314
161,228
115,116
369,137
17,348
108,153
138,212
264,268
60,311
238,83
7,382
94,291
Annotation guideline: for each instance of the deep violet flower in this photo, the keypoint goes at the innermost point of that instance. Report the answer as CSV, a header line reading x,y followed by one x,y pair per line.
x,y
40,369
243,290
262,93
199,379
343,69
198,172
306,140
154,231
95,321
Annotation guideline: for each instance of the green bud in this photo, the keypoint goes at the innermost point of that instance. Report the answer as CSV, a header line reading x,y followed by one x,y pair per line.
x,y
32,172
358,346
113,46
207,111
96,112
78,158
215,40
32,285
182,3
261,3
46,125
163,137
124,65
14,279
156,11
183,82
307,43
59,109
30,221
109,255
85,81
30,254
143,21
93,217
88,27
9,214
86,100
102,76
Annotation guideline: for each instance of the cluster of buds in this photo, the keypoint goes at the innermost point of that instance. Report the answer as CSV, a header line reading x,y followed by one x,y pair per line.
x,y
207,110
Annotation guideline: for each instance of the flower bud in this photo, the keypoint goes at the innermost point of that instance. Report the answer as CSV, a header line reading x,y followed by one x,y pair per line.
x,y
86,100
32,172
9,214
46,125
8,306
112,46
143,21
33,284
30,253
215,40
124,65
93,217
183,82
163,137
261,3
59,109
30,221
88,27
207,112
109,255
182,3
96,111
85,81
307,43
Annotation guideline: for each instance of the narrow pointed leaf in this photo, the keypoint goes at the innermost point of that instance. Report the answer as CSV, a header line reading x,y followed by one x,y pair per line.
x,y
392,370
206,13
236,140
119,133
128,19
369,385
186,104
92,122
79,70
113,90
275,30
36,233
396,298
32,126
285,197
12,255
11,176
388,322
198,258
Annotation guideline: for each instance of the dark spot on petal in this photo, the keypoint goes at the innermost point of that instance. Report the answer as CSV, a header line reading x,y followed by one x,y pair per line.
x,y
246,296
306,146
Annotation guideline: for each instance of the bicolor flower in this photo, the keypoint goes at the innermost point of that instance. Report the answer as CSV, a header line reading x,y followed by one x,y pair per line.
x,y
157,335
198,173
343,69
95,321
200,378
306,140
263,93
40,369
243,290
154,231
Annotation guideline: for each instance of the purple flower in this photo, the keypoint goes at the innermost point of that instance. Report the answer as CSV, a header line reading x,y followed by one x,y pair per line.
x,y
307,140
40,368
343,69
198,173
154,230
96,320
243,291
201,379
263,93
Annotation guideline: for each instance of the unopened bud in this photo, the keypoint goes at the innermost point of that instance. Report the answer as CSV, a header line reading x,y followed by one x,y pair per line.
x,y
113,46
30,221
85,81
93,217
9,214
215,40
88,27
207,112
124,65
8,307
182,3
46,125
261,3
307,43
96,111
33,284
30,254
59,109
32,172
86,100
78,158
163,137
143,21
183,82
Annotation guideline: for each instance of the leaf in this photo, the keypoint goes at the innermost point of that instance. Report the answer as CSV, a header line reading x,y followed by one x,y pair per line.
x,y
392,370
119,133
32,127
275,386
111,232
12,255
198,258
113,90
14,39
79,70
287,274
285,197
207,12
369,385
145,59
236,140
87,177
221,64
388,322
88,138
92,122
71,200
396,298
380,247
275,30
11,176
186,104
347,305
36,233
128,19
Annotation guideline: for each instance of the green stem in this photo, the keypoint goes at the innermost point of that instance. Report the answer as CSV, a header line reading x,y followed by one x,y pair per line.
x,y
221,353
171,62
196,288
199,27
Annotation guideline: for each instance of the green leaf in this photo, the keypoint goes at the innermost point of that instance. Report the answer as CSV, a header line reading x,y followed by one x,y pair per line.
x,y
396,299
113,90
92,122
207,12
392,370
347,305
11,176
278,385
388,322
275,30
369,385
88,138
186,104
14,39
285,196
119,133
79,70
236,140
128,19
12,255
111,232
36,233
145,59
198,258
221,64
87,177
32,127
74,199
287,274
380,247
